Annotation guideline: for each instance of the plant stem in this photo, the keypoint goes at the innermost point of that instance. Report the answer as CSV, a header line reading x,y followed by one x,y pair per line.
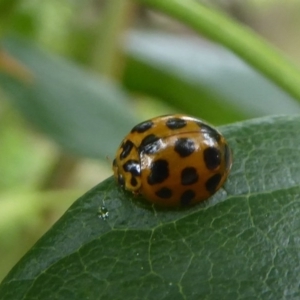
x,y
107,58
241,40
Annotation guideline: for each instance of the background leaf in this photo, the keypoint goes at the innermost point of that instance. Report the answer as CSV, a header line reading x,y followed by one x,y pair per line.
x,y
238,38
72,106
242,243
201,78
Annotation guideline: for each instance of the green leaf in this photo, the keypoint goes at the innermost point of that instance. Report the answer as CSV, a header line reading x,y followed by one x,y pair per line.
x,y
86,114
201,79
240,39
242,243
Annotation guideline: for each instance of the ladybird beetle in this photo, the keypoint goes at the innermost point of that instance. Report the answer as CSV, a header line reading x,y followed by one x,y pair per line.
x,y
173,160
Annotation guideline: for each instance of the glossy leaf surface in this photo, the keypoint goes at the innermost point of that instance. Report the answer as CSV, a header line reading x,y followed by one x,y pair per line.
x,y
242,243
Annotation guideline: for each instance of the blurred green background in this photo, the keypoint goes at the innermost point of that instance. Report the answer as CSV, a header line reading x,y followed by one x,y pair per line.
x,y
75,76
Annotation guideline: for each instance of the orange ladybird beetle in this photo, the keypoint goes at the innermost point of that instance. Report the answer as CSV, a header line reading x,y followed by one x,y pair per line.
x,y
173,160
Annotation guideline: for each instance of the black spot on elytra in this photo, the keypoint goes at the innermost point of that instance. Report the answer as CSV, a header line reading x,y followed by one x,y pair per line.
x,y
133,181
189,176
164,193
127,146
227,157
151,148
184,147
149,139
187,197
121,180
159,171
142,127
133,167
213,182
208,129
176,123
212,157
114,163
